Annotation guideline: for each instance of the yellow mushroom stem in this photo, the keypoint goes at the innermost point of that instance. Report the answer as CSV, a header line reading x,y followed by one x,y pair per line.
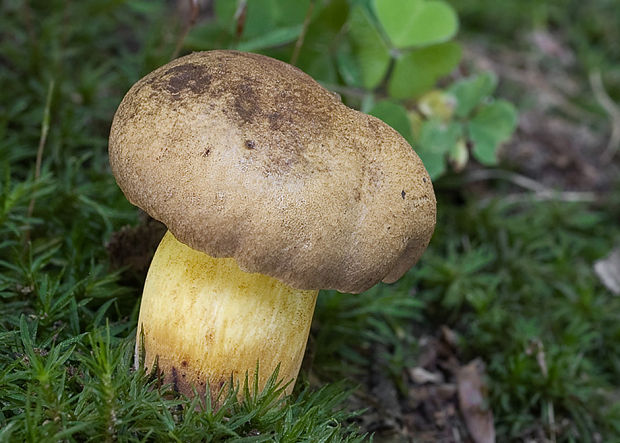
x,y
204,320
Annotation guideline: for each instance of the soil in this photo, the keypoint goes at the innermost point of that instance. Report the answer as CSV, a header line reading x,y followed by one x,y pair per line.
x,y
563,133
132,248
431,406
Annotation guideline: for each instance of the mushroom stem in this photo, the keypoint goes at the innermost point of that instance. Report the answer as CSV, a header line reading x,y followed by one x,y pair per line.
x,y
205,320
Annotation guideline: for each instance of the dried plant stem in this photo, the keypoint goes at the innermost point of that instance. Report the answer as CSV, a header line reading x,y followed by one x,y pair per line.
x,y
551,420
239,19
540,191
612,110
194,10
302,35
45,126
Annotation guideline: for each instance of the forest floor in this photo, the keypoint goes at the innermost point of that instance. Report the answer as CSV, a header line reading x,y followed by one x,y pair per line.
x,y
509,326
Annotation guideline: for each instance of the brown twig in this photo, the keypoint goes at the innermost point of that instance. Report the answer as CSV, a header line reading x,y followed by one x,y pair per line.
x,y
189,24
517,179
239,18
302,35
612,110
540,192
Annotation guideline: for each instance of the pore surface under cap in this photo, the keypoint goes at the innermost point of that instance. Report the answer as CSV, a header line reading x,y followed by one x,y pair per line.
x,y
244,156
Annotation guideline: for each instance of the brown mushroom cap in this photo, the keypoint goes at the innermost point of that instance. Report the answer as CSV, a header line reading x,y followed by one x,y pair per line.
x,y
244,156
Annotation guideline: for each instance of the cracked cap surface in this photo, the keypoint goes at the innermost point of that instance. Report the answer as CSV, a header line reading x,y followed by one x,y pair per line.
x,y
244,156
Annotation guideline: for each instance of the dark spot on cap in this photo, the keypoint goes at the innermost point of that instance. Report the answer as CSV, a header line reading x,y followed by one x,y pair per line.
x,y
402,194
250,144
247,105
186,77
184,363
275,120
424,179
205,153
374,124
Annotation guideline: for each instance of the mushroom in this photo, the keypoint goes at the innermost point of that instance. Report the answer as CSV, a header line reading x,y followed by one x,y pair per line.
x,y
271,189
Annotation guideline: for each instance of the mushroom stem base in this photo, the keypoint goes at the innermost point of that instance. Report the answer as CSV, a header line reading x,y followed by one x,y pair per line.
x,y
205,320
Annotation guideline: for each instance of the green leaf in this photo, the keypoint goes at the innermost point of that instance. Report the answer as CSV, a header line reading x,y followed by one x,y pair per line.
x,y
326,24
287,12
225,11
471,91
318,65
316,57
409,78
371,51
265,16
435,141
395,115
434,162
208,36
25,335
491,126
418,71
270,39
416,22
348,68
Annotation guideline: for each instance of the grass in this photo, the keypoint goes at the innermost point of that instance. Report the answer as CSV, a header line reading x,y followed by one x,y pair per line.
x,y
514,280
517,283
84,388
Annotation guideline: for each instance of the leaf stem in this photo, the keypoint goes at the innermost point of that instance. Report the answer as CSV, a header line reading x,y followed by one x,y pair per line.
x,y
302,35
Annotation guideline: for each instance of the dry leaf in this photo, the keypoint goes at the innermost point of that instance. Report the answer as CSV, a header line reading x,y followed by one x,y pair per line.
x,y
420,376
473,402
450,337
608,271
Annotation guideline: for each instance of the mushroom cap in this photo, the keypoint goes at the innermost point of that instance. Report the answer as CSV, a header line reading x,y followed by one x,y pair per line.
x,y
244,156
